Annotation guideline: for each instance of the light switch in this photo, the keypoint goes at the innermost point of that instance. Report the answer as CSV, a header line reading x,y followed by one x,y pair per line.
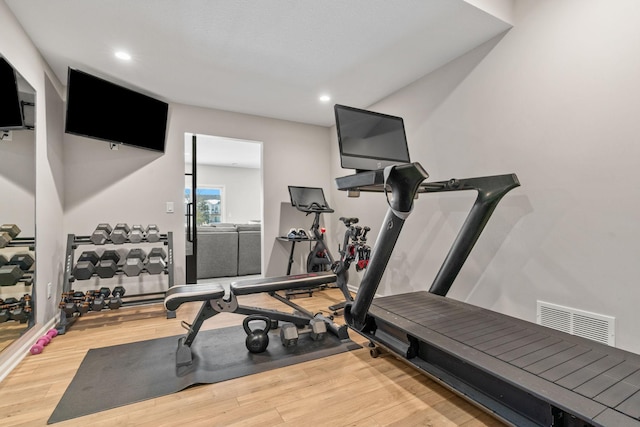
x,y
169,207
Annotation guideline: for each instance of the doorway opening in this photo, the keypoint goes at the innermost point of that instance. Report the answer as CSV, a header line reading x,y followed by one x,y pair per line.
x,y
223,207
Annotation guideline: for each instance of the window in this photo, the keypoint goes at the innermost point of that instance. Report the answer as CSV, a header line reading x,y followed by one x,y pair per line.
x,y
209,204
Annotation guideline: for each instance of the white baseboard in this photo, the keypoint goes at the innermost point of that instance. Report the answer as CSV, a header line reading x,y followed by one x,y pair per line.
x,y
14,353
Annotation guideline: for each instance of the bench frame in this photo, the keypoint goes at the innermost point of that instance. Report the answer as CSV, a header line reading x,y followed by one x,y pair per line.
x,y
220,303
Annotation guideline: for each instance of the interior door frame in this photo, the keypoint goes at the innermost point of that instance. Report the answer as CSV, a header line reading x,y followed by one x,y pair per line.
x,y
191,234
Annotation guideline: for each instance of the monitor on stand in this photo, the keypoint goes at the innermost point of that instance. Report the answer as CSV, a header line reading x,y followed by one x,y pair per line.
x,y
370,140
309,199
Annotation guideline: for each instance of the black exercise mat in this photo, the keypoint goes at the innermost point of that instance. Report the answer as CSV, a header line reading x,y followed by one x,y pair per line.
x,y
120,375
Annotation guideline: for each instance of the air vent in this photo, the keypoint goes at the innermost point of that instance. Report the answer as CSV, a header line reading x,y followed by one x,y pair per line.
x,y
596,327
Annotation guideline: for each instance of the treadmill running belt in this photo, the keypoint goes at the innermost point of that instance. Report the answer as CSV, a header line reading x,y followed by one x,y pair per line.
x,y
595,377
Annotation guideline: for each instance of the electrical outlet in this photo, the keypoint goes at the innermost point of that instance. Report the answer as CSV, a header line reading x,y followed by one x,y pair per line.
x,y
169,207
49,288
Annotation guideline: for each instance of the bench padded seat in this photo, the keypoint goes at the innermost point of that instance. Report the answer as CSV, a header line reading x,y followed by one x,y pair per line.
x,y
177,295
272,284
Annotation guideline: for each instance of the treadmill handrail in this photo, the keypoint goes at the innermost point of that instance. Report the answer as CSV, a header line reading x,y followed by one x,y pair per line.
x,y
403,189
402,182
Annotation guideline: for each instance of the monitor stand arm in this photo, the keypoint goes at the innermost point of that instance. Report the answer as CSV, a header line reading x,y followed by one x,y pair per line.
x,y
402,183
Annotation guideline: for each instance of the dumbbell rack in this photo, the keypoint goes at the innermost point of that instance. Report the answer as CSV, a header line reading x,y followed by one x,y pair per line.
x,y
27,278
73,241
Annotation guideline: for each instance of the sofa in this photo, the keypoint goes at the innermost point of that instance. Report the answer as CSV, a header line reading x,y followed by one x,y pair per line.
x,y
229,250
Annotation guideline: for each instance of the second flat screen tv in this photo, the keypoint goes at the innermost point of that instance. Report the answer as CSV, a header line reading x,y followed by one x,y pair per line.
x,y
103,110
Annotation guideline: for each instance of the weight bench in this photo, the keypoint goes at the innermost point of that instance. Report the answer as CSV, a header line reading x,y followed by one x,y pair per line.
x,y
216,301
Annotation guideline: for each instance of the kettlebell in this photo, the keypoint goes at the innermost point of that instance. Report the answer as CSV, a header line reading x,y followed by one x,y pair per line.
x,y
257,339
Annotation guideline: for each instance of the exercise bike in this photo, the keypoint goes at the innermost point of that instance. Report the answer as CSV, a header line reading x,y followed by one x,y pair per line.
x,y
319,258
354,248
311,200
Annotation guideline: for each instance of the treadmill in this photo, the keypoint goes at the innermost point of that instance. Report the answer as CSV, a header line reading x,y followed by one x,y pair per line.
x,y
523,373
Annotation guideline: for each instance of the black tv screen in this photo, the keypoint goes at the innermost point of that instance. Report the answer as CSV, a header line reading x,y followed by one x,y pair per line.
x,y
103,110
10,108
370,140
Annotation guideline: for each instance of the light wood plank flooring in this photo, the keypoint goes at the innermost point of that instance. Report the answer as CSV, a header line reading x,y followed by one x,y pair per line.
x,y
349,389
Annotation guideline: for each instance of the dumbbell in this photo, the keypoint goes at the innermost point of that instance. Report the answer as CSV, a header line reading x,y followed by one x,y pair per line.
x,y
72,302
83,302
152,233
6,307
10,274
43,341
116,298
101,234
289,333
134,263
23,260
317,329
107,267
136,235
120,234
156,261
8,232
86,265
99,297
20,314
11,271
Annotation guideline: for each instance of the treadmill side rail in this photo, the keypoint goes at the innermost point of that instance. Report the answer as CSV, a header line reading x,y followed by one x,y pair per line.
x,y
490,190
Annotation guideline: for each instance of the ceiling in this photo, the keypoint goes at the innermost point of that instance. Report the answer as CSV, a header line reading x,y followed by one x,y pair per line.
x,y
266,58
220,151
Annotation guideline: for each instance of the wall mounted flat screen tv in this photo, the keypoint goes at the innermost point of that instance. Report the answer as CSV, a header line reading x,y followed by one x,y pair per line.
x,y
103,110
10,109
370,140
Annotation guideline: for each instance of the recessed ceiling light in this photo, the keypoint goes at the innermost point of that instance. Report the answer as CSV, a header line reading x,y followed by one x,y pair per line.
x,y
325,98
123,55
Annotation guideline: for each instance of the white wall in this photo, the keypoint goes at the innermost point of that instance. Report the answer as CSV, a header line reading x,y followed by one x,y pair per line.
x,y
242,190
555,101
133,185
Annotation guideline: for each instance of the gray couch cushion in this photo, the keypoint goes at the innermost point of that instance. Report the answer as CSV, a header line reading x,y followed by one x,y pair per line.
x,y
216,228
217,254
249,253
248,227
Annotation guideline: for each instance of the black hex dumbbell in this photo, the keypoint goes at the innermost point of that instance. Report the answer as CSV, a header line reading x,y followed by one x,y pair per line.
x,y
86,265
120,234
108,265
134,263
101,234
136,235
99,298
8,232
156,261
67,303
152,233
116,298
23,260
10,274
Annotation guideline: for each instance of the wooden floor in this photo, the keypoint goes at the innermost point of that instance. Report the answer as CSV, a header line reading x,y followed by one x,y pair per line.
x,y
349,389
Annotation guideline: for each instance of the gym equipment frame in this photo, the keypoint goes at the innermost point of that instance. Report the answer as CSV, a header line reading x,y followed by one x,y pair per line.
x,y
73,241
215,302
523,373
